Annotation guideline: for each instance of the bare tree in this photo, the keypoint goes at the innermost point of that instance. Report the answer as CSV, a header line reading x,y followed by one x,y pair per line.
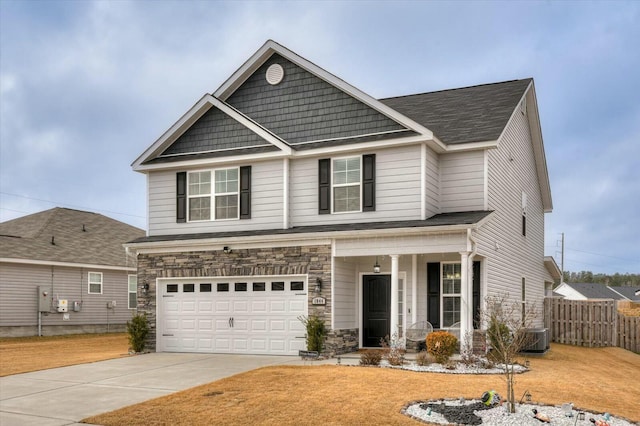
x,y
506,323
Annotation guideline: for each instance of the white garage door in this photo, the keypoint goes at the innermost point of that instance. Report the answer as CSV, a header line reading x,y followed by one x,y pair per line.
x,y
233,315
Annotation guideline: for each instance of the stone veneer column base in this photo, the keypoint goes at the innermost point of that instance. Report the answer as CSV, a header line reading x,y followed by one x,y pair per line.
x,y
341,342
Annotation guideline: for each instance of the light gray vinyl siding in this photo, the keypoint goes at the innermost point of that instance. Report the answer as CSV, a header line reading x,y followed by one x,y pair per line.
x,y
397,189
461,181
345,293
510,255
266,203
19,301
432,180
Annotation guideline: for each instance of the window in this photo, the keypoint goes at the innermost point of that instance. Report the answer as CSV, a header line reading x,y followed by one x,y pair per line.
x,y
205,288
95,282
221,194
346,185
297,285
240,286
259,286
451,284
188,288
222,287
524,300
172,288
133,291
277,286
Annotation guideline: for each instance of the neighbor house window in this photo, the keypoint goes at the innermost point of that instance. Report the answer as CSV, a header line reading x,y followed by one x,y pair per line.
x,y
451,284
216,191
133,291
346,184
95,282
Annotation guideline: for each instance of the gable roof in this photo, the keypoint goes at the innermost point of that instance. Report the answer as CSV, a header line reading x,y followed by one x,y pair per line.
x,y
67,236
469,114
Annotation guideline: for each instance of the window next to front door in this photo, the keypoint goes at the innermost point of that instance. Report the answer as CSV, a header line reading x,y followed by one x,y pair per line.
x,y
451,283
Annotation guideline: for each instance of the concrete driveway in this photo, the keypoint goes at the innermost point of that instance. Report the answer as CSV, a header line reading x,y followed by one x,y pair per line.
x,y
64,396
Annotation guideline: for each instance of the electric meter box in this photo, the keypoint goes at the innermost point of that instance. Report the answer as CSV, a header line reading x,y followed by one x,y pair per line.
x,y
44,299
63,305
77,306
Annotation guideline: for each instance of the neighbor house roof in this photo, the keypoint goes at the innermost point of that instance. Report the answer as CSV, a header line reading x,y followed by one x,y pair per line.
x,y
67,236
469,114
603,291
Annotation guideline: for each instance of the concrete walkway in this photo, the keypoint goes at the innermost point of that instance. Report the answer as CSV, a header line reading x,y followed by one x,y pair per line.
x,y
66,395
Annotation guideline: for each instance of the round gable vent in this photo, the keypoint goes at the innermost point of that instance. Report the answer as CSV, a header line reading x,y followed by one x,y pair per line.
x,y
275,73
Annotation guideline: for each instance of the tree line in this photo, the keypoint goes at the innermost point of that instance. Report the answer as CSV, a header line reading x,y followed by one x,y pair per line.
x,y
617,279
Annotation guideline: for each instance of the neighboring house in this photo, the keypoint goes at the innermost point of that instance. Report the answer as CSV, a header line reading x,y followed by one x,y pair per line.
x,y
586,291
61,255
289,192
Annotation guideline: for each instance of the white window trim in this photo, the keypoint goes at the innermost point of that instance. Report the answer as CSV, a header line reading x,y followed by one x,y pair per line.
x,y
443,295
89,282
212,195
343,185
135,290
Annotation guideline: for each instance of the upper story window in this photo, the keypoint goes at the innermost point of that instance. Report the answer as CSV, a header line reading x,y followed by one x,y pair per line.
x,y
95,282
219,194
213,194
347,184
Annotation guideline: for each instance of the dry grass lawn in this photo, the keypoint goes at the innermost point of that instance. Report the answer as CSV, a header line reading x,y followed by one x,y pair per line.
x,y
25,354
596,379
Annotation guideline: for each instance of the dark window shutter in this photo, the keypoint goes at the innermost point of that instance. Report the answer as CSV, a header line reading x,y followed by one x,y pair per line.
x,y
245,192
324,189
181,197
433,293
369,183
476,296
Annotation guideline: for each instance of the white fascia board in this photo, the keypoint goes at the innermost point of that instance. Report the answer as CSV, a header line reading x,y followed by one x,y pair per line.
x,y
270,47
67,264
191,116
553,268
360,146
179,127
533,117
472,146
538,149
281,240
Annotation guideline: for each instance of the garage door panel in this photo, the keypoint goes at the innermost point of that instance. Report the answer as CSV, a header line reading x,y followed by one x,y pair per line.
x,y
216,318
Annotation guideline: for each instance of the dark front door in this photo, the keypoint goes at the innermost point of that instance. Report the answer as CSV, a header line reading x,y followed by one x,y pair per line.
x,y
376,308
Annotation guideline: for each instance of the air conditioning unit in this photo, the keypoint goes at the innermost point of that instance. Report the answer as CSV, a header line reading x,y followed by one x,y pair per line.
x,y
537,340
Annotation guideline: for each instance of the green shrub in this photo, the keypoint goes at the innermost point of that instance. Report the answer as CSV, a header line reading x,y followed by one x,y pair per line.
x,y
316,332
371,357
441,345
138,329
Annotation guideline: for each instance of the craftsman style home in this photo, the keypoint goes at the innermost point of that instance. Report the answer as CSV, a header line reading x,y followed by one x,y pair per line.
x,y
288,192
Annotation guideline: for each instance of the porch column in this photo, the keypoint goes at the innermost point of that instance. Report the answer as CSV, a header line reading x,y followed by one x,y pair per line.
x,y
466,305
414,288
394,294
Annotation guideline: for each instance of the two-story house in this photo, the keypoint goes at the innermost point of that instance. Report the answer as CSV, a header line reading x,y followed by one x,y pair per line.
x,y
288,192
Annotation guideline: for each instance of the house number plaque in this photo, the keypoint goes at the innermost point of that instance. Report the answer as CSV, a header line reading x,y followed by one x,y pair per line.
x,y
319,301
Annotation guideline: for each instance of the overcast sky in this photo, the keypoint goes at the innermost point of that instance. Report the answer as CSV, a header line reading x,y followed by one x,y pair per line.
x,y
86,86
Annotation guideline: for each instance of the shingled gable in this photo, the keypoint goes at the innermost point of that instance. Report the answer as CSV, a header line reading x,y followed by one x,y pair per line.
x,y
249,100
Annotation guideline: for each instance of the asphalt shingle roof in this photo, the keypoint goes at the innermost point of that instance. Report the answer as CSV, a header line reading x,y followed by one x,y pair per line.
x,y
443,219
100,243
469,114
602,291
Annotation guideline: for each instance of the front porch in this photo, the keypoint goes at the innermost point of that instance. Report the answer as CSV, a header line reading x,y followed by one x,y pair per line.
x,y
377,295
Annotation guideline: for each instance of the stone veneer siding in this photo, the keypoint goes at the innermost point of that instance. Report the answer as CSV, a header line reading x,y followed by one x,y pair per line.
x,y
314,261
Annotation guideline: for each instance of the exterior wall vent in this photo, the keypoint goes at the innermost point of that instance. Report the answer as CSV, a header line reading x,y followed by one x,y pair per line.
x,y
275,73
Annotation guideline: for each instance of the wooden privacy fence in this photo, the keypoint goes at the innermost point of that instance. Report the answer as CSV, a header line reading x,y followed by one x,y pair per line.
x,y
592,323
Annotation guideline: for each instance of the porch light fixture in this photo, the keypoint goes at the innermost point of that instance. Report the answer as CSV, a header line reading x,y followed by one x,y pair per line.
x,y
226,249
318,285
145,288
376,267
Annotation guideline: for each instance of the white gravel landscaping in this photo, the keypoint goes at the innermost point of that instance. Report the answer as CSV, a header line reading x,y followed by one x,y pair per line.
x,y
498,416
459,368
